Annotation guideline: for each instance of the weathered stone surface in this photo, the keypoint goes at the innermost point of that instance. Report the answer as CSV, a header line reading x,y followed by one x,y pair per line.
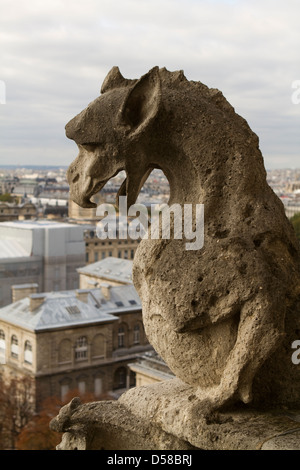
x,y
156,423
108,425
217,314
223,317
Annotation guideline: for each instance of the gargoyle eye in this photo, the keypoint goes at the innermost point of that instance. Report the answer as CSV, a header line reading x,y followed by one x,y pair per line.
x,y
90,146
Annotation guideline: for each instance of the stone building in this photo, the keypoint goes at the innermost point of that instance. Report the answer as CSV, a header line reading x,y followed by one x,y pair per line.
x,y
114,271
80,339
41,251
150,368
97,249
12,211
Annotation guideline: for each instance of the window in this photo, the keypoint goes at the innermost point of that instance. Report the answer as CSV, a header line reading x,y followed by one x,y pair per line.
x,y
132,254
121,337
96,256
98,346
120,378
81,387
14,347
65,351
65,386
28,352
56,286
73,309
2,347
64,389
125,254
87,257
98,386
136,334
81,348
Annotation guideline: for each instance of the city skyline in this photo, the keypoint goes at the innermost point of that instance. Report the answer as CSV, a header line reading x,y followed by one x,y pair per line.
x,y
55,56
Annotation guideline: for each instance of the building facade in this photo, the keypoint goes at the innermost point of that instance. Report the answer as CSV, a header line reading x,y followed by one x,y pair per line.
x,y
10,211
150,368
97,249
41,251
77,340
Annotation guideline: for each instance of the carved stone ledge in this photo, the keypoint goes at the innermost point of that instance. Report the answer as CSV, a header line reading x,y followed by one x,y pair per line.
x,y
167,423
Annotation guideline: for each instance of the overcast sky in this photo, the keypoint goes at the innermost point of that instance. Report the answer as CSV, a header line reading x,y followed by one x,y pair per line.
x,y
55,54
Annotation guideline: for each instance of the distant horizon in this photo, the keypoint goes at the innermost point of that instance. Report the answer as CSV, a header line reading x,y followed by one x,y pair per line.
x,y
44,167
56,57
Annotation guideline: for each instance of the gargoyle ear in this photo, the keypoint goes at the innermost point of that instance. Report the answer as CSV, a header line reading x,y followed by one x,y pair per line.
x,y
114,79
142,103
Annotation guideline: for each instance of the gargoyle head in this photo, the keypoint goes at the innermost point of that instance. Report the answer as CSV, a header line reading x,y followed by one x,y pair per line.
x,y
110,133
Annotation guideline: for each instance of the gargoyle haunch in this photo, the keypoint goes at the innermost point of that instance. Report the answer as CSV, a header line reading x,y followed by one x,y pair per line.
x,y
219,314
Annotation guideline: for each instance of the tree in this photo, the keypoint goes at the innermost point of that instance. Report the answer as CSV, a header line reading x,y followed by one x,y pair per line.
x,y
36,434
16,409
296,223
6,197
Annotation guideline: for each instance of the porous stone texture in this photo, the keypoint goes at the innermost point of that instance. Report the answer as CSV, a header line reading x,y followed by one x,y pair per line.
x,y
109,425
133,423
223,317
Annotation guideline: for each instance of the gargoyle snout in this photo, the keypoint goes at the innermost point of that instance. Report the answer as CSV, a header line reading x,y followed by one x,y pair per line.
x,y
72,174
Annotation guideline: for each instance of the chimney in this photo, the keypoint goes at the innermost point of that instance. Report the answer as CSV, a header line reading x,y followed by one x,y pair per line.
x,y
20,291
35,300
82,295
105,289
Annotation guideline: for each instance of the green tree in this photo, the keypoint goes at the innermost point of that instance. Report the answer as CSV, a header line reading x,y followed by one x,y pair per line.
x,y
296,223
6,197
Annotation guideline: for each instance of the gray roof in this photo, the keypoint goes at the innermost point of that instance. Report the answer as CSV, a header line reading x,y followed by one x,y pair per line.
x,y
110,268
64,309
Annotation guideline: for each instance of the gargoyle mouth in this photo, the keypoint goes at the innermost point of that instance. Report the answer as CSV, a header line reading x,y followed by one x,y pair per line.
x,y
132,186
83,196
92,187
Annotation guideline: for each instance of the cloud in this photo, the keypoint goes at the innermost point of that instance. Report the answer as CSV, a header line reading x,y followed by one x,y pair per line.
x,y
55,55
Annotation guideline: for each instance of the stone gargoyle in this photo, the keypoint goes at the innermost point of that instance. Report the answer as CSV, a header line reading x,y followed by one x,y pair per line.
x,y
222,317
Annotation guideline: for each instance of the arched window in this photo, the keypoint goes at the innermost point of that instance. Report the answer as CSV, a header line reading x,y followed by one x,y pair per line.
x,y
14,347
81,384
120,378
28,352
2,347
98,386
81,348
65,351
64,387
136,334
121,337
98,346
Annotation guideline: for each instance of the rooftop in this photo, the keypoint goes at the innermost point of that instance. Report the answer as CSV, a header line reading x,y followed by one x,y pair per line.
x,y
110,268
35,224
46,311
